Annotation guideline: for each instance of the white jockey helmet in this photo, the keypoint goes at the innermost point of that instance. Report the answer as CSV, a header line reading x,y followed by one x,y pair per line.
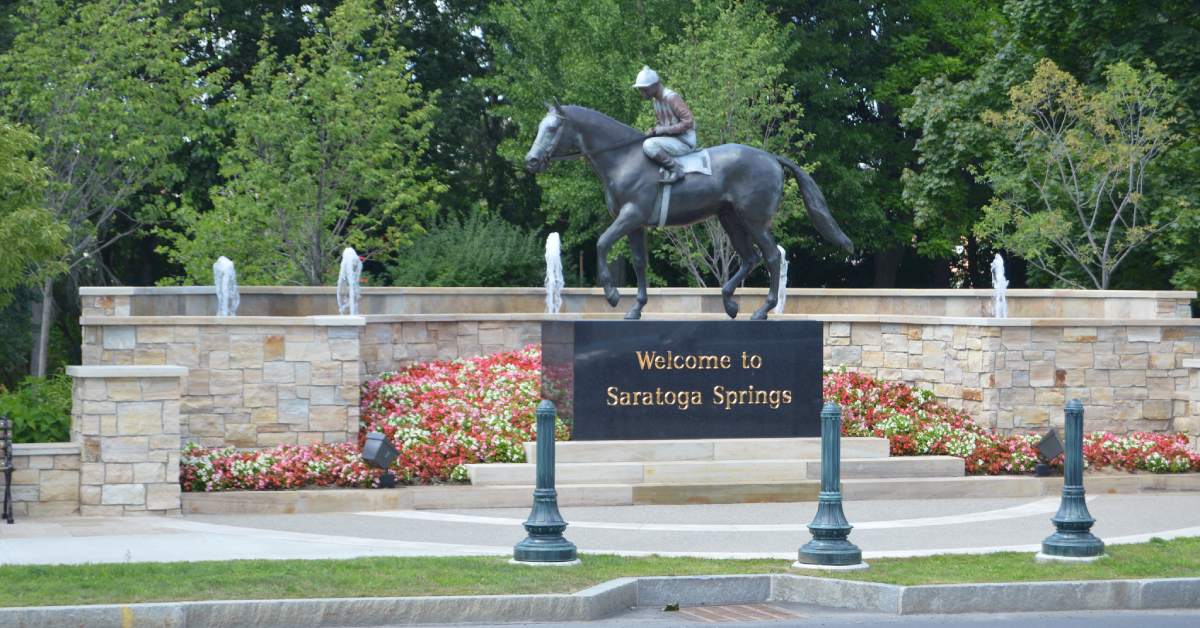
x,y
646,77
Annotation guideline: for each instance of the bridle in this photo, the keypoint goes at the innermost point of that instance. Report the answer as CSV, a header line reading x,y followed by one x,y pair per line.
x,y
562,130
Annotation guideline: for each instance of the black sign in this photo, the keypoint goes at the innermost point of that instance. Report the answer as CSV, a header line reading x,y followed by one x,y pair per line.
x,y
629,380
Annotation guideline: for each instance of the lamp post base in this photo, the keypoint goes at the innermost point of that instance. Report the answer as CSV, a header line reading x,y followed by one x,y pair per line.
x,y
534,563
810,566
1050,558
546,550
823,553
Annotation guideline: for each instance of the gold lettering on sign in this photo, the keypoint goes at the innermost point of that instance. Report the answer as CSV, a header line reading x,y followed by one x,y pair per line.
x,y
750,396
671,361
682,399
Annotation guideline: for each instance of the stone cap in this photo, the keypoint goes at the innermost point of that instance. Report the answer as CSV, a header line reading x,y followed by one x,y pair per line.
x,y
45,449
229,321
831,292
1191,364
126,371
827,318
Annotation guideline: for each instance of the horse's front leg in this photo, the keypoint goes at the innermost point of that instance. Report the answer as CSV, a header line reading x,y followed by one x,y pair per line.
x,y
637,246
628,220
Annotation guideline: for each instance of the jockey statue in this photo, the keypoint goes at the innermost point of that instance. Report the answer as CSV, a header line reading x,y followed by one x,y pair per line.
x,y
674,131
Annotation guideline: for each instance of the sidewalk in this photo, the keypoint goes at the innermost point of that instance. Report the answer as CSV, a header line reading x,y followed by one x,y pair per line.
x,y
882,528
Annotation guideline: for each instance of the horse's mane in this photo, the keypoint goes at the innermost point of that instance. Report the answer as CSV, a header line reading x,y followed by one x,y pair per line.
x,y
614,129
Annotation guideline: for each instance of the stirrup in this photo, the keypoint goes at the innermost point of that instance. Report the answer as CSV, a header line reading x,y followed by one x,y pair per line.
x,y
670,175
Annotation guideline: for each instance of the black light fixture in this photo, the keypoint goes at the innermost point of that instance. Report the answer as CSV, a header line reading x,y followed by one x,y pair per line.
x,y
379,452
6,464
1049,448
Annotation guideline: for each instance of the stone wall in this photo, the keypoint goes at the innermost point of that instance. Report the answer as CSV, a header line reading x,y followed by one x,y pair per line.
x,y
251,381
294,301
126,422
1019,374
45,481
388,345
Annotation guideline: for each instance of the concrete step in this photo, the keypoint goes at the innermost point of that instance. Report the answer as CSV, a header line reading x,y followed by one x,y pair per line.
x,y
706,449
698,472
454,496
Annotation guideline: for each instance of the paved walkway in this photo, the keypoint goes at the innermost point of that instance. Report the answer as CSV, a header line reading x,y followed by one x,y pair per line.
x,y
882,528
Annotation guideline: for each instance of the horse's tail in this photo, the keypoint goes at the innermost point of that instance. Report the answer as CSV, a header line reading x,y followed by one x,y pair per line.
x,y
814,201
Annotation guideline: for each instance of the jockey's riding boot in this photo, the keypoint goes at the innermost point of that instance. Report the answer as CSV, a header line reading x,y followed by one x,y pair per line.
x,y
672,172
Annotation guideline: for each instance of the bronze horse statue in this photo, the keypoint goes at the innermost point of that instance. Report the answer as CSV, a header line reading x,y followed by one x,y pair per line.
x,y
743,192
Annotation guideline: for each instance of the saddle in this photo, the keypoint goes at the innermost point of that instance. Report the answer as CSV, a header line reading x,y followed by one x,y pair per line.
x,y
697,162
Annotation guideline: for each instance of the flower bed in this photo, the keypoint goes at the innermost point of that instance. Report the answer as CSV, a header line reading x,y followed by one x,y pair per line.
x,y
916,424
441,415
445,414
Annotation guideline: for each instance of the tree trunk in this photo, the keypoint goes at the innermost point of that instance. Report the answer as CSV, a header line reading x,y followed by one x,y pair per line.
x,y
887,263
41,352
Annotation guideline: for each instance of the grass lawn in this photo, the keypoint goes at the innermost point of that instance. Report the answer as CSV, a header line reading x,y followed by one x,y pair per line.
x,y
382,577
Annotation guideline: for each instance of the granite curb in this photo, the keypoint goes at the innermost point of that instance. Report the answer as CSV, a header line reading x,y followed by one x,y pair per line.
x,y
617,595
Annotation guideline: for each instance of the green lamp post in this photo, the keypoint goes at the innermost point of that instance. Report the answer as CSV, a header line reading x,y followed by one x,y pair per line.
x,y
545,544
1073,540
829,547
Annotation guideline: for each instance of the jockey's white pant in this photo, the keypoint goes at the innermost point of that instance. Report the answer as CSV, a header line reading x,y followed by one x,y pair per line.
x,y
674,145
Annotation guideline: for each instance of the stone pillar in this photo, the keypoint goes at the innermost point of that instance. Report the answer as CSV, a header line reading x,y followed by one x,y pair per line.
x,y
126,419
1191,400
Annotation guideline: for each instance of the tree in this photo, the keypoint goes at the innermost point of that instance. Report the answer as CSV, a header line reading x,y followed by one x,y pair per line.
x,y
325,155
729,66
104,88
1069,178
33,239
587,56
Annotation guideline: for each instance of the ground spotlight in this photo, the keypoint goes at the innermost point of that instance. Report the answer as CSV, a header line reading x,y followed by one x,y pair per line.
x,y
1049,448
379,452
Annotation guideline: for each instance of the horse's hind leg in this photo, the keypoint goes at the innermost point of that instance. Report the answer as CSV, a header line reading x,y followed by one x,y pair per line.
x,y
637,247
770,252
747,257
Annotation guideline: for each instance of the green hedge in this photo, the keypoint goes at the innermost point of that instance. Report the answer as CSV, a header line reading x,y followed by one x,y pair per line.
x,y
40,409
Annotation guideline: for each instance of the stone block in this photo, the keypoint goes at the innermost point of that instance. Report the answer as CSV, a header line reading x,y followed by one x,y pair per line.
x,y
252,376
57,485
183,355
95,408
278,373
225,382
124,390
1144,334
1041,375
124,449
245,352
1156,409
150,472
160,388
119,338
344,349
306,351
197,382
1141,362
92,473
326,373
241,434
123,495
163,496
273,348
264,415
139,418
327,418
259,396
216,360
293,411
118,473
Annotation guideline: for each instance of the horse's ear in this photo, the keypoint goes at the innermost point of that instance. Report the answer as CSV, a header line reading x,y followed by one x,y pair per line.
x,y
558,107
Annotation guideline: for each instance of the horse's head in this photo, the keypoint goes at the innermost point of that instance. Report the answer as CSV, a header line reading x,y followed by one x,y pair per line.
x,y
550,141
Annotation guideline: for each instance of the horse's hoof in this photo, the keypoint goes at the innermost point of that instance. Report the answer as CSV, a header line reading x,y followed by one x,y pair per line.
x,y
634,314
613,296
731,308
760,315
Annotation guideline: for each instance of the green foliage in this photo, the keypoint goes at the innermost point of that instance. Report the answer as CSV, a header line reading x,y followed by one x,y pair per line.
x,y
729,67
586,55
103,87
40,409
325,155
33,239
1069,178
483,250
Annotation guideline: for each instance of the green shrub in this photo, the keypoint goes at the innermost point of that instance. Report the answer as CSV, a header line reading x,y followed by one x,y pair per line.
x,y
484,250
40,409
